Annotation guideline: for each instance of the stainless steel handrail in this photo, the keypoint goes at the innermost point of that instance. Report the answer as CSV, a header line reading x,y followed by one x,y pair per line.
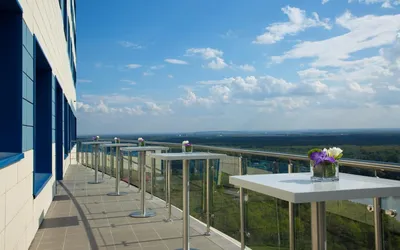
x,y
344,162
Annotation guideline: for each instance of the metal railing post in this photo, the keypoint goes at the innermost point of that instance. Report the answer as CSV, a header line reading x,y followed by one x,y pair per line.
x,y
241,207
153,174
378,223
129,167
208,231
292,242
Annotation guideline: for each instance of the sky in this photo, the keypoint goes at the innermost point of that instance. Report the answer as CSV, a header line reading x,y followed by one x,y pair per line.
x,y
156,66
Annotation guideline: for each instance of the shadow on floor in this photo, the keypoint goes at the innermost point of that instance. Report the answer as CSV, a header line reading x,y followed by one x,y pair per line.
x,y
83,217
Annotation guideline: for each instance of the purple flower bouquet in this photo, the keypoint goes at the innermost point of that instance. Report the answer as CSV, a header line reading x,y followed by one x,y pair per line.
x,y
324,164
141,142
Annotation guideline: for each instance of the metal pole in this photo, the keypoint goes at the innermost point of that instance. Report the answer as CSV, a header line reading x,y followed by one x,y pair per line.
x,y
241,207
143,181
104,162
208,231
186,218
112,161
87,156
153,174
378,223
139,171
166,182
129,167
292,241
169,191
117,177
318,225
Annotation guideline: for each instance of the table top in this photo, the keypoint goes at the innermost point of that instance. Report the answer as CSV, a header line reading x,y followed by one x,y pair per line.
x,y
115,145
145,148
187,156
94,142
298,188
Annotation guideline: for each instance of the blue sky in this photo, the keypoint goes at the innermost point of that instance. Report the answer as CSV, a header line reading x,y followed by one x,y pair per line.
x,y
181,66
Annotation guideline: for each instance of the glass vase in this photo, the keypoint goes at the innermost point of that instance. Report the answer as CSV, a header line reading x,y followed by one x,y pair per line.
x,y
187,149
141,143
324,172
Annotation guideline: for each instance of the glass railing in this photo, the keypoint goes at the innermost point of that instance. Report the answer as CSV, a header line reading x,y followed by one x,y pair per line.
x,y
350,224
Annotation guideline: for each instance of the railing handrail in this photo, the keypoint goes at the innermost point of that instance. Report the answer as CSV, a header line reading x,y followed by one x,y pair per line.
x,y
381,166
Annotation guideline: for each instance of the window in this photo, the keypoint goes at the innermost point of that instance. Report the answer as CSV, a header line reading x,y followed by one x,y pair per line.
x,y
12,75
43,130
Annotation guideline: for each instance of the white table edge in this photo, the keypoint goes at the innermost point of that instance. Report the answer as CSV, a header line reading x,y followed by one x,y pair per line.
x,y
331,195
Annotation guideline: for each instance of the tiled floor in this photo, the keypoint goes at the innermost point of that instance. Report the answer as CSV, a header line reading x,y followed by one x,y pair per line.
x,y
82,217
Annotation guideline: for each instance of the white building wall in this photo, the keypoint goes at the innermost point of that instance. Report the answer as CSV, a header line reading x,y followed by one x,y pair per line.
x,y
44,19
20,213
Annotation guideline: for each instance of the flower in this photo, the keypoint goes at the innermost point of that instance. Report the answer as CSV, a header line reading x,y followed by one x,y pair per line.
x,y
185,142
321,157
188,145
98,137
336,153
140,139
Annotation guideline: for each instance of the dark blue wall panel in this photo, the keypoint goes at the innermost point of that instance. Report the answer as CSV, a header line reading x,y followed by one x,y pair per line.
x,y
59,132
11,82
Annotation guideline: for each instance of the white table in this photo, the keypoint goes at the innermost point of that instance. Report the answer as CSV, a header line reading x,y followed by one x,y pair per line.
x,y
186,157
143,212
95,152
298,188
119,166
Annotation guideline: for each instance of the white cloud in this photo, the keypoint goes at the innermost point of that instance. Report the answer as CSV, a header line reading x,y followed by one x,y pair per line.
x,y
191,99
247,67
133,66
124,89
298,21
384,3
122,104
362,89
364,32
127,44
128,82
324,1
157,109
206,53
215,55
217,64
221,92
156,67
312,73
170,76
84,81
175,61
148,73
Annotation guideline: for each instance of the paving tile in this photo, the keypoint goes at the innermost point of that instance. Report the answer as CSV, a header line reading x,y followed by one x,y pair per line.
x,y
84,217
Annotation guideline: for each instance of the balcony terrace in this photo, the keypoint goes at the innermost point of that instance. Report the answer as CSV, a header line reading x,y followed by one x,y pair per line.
x,y
82,216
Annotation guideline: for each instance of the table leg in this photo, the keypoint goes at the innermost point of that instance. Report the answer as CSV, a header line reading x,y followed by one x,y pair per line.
x,y
166,182
318,225
168,198
186,215
143,213
117,177
139,171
